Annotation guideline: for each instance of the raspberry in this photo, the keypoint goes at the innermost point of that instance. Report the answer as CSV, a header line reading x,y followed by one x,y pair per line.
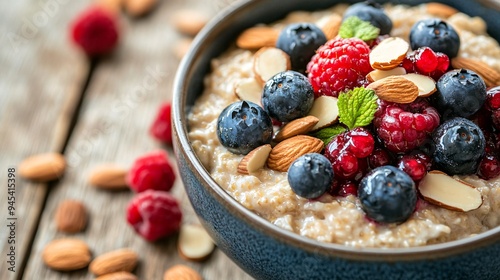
x,y
343,188
151,172
339,65
415,165
489,166
154,214
379,157
426,62
492,104
348,151
404,127
161,129
95,30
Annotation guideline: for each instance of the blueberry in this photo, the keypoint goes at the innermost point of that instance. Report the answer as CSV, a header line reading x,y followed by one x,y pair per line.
x,y
244,126
287,96
459,146
435,34
372,12
460,93
300,41
311,175
387,195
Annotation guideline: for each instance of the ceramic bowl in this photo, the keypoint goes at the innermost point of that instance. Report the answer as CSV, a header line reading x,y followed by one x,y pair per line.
x,y
266,251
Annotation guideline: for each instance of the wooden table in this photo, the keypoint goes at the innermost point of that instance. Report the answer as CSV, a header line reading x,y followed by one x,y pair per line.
x,y
53,99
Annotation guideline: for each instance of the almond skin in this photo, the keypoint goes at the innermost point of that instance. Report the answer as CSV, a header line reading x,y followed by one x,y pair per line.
x,y
139,8
189,21
71,216
285,152
43,167
257,37
114,261
441,10
122,275
181,272
490,76
66,254
109,176
296,127
395,89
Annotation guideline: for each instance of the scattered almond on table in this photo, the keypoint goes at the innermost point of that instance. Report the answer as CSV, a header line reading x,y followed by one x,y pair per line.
x,y
109,176
138,8
181,272
182,46
43,167
71,216
66,254
194,243
121,275
114,261
189,21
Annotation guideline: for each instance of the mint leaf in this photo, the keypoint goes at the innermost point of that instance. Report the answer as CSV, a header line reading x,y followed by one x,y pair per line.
x,y
357,107
355,27
326,134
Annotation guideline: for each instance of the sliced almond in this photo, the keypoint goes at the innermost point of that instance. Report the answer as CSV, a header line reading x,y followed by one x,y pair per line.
x,y
426,85
138,8
121,275
389,53
109,176
296,127
43,167
249,89
114,261
194,243
376,74
189,21
181,272
442,190
269,61
66,254
71,216
330,25
395,89
257,37
490,76
440,10
285,152
254,160
326,110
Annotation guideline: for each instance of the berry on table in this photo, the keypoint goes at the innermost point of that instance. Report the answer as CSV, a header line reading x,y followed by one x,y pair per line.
x,y
300,41
387,195
151,171
161,128
339,65
459,145
95,30
404,127
435,34
243,126
460,93
310,175
371,12
154,214
287,96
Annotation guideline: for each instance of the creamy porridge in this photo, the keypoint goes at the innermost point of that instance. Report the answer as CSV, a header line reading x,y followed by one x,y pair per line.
x,y
336,219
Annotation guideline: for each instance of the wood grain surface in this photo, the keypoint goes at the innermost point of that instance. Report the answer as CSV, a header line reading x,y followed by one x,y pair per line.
x,y
53,99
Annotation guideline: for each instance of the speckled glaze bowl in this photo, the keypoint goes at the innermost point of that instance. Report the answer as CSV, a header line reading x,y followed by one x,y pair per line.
x,y
266,251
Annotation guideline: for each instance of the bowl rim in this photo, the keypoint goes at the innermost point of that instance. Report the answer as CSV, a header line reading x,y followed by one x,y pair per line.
x,y
182,145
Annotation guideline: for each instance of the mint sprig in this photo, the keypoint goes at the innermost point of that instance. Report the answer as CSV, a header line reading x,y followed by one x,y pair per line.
x,y
355,27
327,134
357,107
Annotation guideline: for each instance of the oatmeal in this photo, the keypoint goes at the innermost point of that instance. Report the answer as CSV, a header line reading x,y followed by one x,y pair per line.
x,y
337,219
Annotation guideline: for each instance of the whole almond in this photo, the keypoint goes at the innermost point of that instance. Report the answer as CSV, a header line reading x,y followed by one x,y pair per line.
x,y
181,272
71,216
66,254
490,76
257,37
285,152
395,89
43,167
441,10
331,26
189,21
121,275
296,127
139,8
110,5
109,176
114,261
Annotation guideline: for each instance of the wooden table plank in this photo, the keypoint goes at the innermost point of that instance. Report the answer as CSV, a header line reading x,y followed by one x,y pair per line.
x,y
41,78
123,96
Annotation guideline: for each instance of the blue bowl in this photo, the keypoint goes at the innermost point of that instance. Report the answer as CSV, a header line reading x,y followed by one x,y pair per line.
x,y
266,251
